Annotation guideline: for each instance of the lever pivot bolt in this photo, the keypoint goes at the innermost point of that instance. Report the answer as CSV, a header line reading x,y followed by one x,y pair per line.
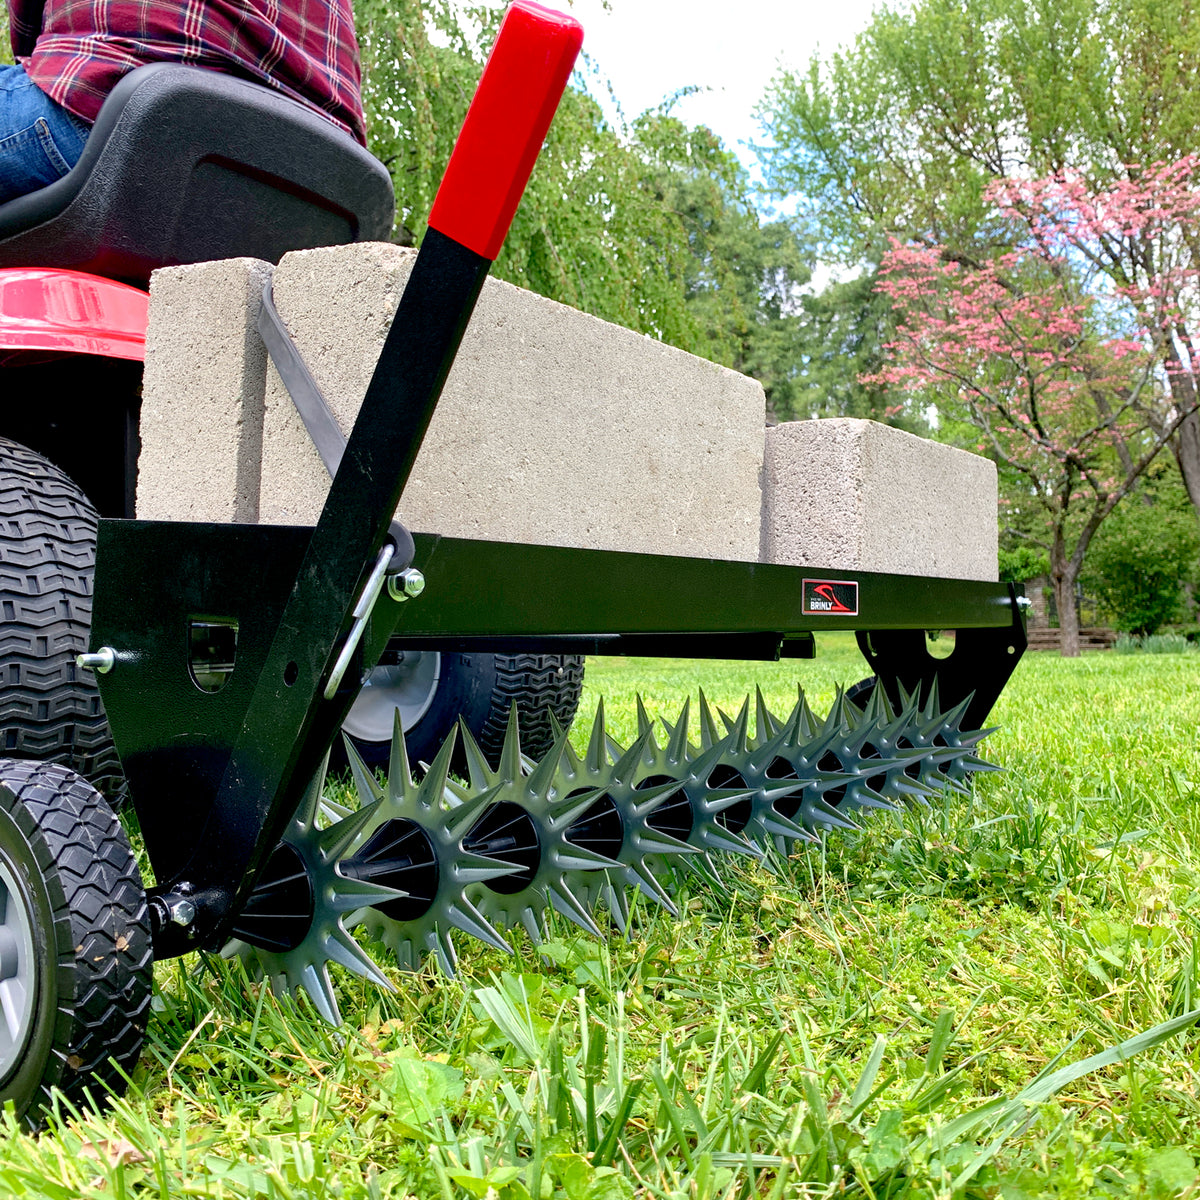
x,y
406,585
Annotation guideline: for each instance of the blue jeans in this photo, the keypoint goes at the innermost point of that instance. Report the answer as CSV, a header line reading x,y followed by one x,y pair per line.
x,y
39,140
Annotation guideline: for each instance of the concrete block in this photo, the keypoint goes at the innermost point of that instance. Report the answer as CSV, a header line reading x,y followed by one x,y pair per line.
x,y
202,407
554,427
857,495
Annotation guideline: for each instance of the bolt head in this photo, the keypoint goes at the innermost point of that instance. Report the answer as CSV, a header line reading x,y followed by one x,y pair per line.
x,y
183,912
102,661
406,585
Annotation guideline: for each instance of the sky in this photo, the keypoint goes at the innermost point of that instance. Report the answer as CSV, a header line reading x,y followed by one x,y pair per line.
x,y
651,48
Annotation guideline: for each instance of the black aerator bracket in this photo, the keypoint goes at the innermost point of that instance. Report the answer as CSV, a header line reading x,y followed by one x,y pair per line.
x,y
978,667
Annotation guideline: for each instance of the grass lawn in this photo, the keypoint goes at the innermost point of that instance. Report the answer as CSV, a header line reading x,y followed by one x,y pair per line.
x,y
982,997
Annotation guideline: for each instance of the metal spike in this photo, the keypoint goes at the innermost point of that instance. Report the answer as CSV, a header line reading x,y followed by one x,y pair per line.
x,y
335,842
320,991
617,903
643,718
479,770
738,746
565,903
532,924
765,723
310,804
650,887
510,752
677,747
342,948
364,779
433,787
466,917
709,735
597,759
443,949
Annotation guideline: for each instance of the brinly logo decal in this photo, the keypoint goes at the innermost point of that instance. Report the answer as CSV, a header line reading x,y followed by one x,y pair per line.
x,y
831,597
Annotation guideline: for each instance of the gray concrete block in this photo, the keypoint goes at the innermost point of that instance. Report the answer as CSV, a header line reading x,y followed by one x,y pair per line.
x,y
857,495
555,427
202,394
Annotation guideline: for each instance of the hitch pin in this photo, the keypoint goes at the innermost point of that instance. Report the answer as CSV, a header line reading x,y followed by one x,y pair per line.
x,y
362,611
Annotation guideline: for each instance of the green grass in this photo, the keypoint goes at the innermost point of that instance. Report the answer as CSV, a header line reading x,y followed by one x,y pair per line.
x,y
927,1008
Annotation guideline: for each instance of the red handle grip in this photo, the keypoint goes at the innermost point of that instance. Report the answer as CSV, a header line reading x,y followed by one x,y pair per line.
x,y
506,124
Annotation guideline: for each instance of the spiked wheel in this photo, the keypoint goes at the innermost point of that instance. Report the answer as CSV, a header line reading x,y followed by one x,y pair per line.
x,y
528,824
417,862
624,819
294,923
413,844
75,952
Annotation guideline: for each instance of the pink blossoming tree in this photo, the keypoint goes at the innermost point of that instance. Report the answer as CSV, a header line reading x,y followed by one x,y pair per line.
x,y
1076,374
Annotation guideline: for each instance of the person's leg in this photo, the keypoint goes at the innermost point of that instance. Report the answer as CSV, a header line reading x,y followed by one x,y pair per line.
x,y
39,140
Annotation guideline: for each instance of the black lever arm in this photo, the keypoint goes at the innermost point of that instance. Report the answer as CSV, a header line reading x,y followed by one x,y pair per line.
x,y
289,724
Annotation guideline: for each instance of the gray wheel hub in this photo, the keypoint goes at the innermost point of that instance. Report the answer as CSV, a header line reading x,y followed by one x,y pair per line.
x,y
18,973
407,686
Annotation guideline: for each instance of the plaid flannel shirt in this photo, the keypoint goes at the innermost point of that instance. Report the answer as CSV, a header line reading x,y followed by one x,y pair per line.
x,y
76,50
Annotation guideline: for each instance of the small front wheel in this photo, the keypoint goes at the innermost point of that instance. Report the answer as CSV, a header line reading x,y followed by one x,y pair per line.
x,y
76,958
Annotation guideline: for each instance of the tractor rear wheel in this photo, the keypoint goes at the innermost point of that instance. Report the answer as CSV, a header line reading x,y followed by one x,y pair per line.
x,y
49,709
76,958
431,690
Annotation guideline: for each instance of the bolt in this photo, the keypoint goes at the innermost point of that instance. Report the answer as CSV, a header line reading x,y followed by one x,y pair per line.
x,y
102,661
182,912
406,585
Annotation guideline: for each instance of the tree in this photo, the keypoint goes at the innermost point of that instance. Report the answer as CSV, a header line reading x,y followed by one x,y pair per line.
x,y
1145,554
905,131
651,226
741,276
590,231
1059,376
837,352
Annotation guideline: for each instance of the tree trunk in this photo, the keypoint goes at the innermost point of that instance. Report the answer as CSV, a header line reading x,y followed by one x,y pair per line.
x,y
1063,573
1186,445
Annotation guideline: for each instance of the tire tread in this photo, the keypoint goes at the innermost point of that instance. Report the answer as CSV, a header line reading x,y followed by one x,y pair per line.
x,y
101,925
539,684
49,710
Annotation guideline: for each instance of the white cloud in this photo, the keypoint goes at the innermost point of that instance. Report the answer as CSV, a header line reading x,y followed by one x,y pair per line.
x,y
651,48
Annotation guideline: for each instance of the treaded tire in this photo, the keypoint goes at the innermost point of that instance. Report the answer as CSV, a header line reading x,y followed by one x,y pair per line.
x,y
92,962
481,688
539,684
49,709
862,691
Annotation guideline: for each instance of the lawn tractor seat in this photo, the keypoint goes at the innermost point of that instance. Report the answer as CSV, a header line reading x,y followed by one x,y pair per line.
x,y
186,165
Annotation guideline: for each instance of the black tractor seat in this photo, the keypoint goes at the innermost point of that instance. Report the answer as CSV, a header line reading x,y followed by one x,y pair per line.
x,y
186,165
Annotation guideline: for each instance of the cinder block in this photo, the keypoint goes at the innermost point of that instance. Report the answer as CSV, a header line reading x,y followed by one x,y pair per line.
x,y
554,427
858,495
201,423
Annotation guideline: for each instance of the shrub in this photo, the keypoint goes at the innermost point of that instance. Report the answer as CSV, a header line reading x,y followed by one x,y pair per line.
x,y
1022,563
1156,643
1141,559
